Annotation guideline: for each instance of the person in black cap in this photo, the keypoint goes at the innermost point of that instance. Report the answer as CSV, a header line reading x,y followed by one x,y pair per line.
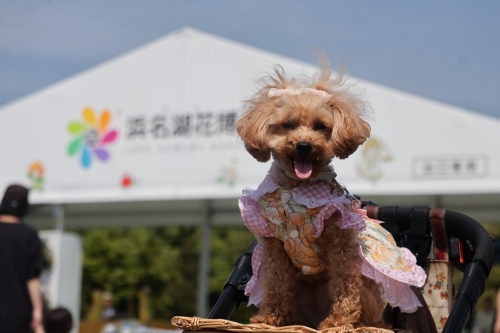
x,y
20,266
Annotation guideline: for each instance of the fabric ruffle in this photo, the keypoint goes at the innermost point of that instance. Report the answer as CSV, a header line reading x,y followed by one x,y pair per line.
x,y
311,195
320,195
350,220
253,288
378,248
415,277
396,293
252,217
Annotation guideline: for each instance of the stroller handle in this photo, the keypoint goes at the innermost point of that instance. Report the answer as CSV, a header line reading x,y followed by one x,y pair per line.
x,y
467,228
456,224
475,273
234,289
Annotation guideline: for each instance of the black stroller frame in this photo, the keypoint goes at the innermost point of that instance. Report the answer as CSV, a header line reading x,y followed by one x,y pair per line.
x,y
470,250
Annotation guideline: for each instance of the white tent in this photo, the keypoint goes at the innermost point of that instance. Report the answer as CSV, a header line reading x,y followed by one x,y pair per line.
x,y
157,124
148,138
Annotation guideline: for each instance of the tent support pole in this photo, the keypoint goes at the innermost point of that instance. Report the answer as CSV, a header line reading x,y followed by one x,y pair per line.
x,y
438,202
58,213
204,263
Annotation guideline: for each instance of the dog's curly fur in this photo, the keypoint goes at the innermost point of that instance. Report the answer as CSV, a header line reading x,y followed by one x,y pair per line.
x,y
334,127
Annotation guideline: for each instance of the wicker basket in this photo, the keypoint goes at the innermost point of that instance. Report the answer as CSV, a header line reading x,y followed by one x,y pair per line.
x,y
222,325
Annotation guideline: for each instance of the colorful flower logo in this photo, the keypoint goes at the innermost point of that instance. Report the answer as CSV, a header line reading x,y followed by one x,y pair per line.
x,y
35,175
91,137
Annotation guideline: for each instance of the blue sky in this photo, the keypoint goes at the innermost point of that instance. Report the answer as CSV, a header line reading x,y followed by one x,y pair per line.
x,y
444,50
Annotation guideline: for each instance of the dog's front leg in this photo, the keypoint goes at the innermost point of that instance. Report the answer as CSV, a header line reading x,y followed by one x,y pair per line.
x,y
276,306
344,277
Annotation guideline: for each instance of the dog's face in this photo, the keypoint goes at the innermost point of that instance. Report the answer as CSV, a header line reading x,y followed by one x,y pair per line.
x,y
300,135
303,132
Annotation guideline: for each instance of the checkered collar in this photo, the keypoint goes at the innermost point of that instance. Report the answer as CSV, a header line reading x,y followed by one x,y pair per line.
x,y
329,176
325,175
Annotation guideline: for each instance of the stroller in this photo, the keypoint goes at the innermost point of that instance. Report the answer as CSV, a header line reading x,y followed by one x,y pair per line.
x,y
440,240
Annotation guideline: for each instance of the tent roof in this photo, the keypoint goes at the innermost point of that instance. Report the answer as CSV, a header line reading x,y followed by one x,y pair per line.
x,y
157,123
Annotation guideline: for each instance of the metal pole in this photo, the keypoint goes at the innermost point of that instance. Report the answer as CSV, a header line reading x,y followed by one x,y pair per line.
x,y
204,264
58,213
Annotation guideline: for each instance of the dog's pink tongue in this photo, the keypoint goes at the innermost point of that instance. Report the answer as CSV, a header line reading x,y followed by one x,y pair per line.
x,y
303,169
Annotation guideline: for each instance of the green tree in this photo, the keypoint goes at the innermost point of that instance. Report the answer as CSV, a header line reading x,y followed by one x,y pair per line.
x,y
166,259
120,260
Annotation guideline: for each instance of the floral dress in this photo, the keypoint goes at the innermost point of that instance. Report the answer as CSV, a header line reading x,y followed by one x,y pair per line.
x,y
296,217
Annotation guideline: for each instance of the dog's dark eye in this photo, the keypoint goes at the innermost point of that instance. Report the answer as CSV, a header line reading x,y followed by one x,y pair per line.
x,y
319,127
288,125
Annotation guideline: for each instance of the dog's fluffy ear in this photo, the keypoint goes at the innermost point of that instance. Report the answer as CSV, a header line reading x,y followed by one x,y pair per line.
x,y
253,129
254,126
349,130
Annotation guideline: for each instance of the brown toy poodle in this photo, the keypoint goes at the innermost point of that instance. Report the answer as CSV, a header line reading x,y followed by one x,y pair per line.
x,y
310,265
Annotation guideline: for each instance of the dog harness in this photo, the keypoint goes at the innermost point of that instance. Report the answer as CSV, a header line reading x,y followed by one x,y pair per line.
x,y
296,216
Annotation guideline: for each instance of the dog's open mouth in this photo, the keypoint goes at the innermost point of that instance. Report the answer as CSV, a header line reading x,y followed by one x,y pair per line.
x,y
303,169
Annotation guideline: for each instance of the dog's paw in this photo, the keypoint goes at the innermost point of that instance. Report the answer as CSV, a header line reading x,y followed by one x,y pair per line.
x,y
334,322
268,319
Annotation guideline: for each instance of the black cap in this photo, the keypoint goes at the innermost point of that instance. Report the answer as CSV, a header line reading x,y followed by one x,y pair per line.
x,y
15,201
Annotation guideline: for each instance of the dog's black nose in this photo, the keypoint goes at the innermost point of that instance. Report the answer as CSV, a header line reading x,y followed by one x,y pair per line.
x,y
303,148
